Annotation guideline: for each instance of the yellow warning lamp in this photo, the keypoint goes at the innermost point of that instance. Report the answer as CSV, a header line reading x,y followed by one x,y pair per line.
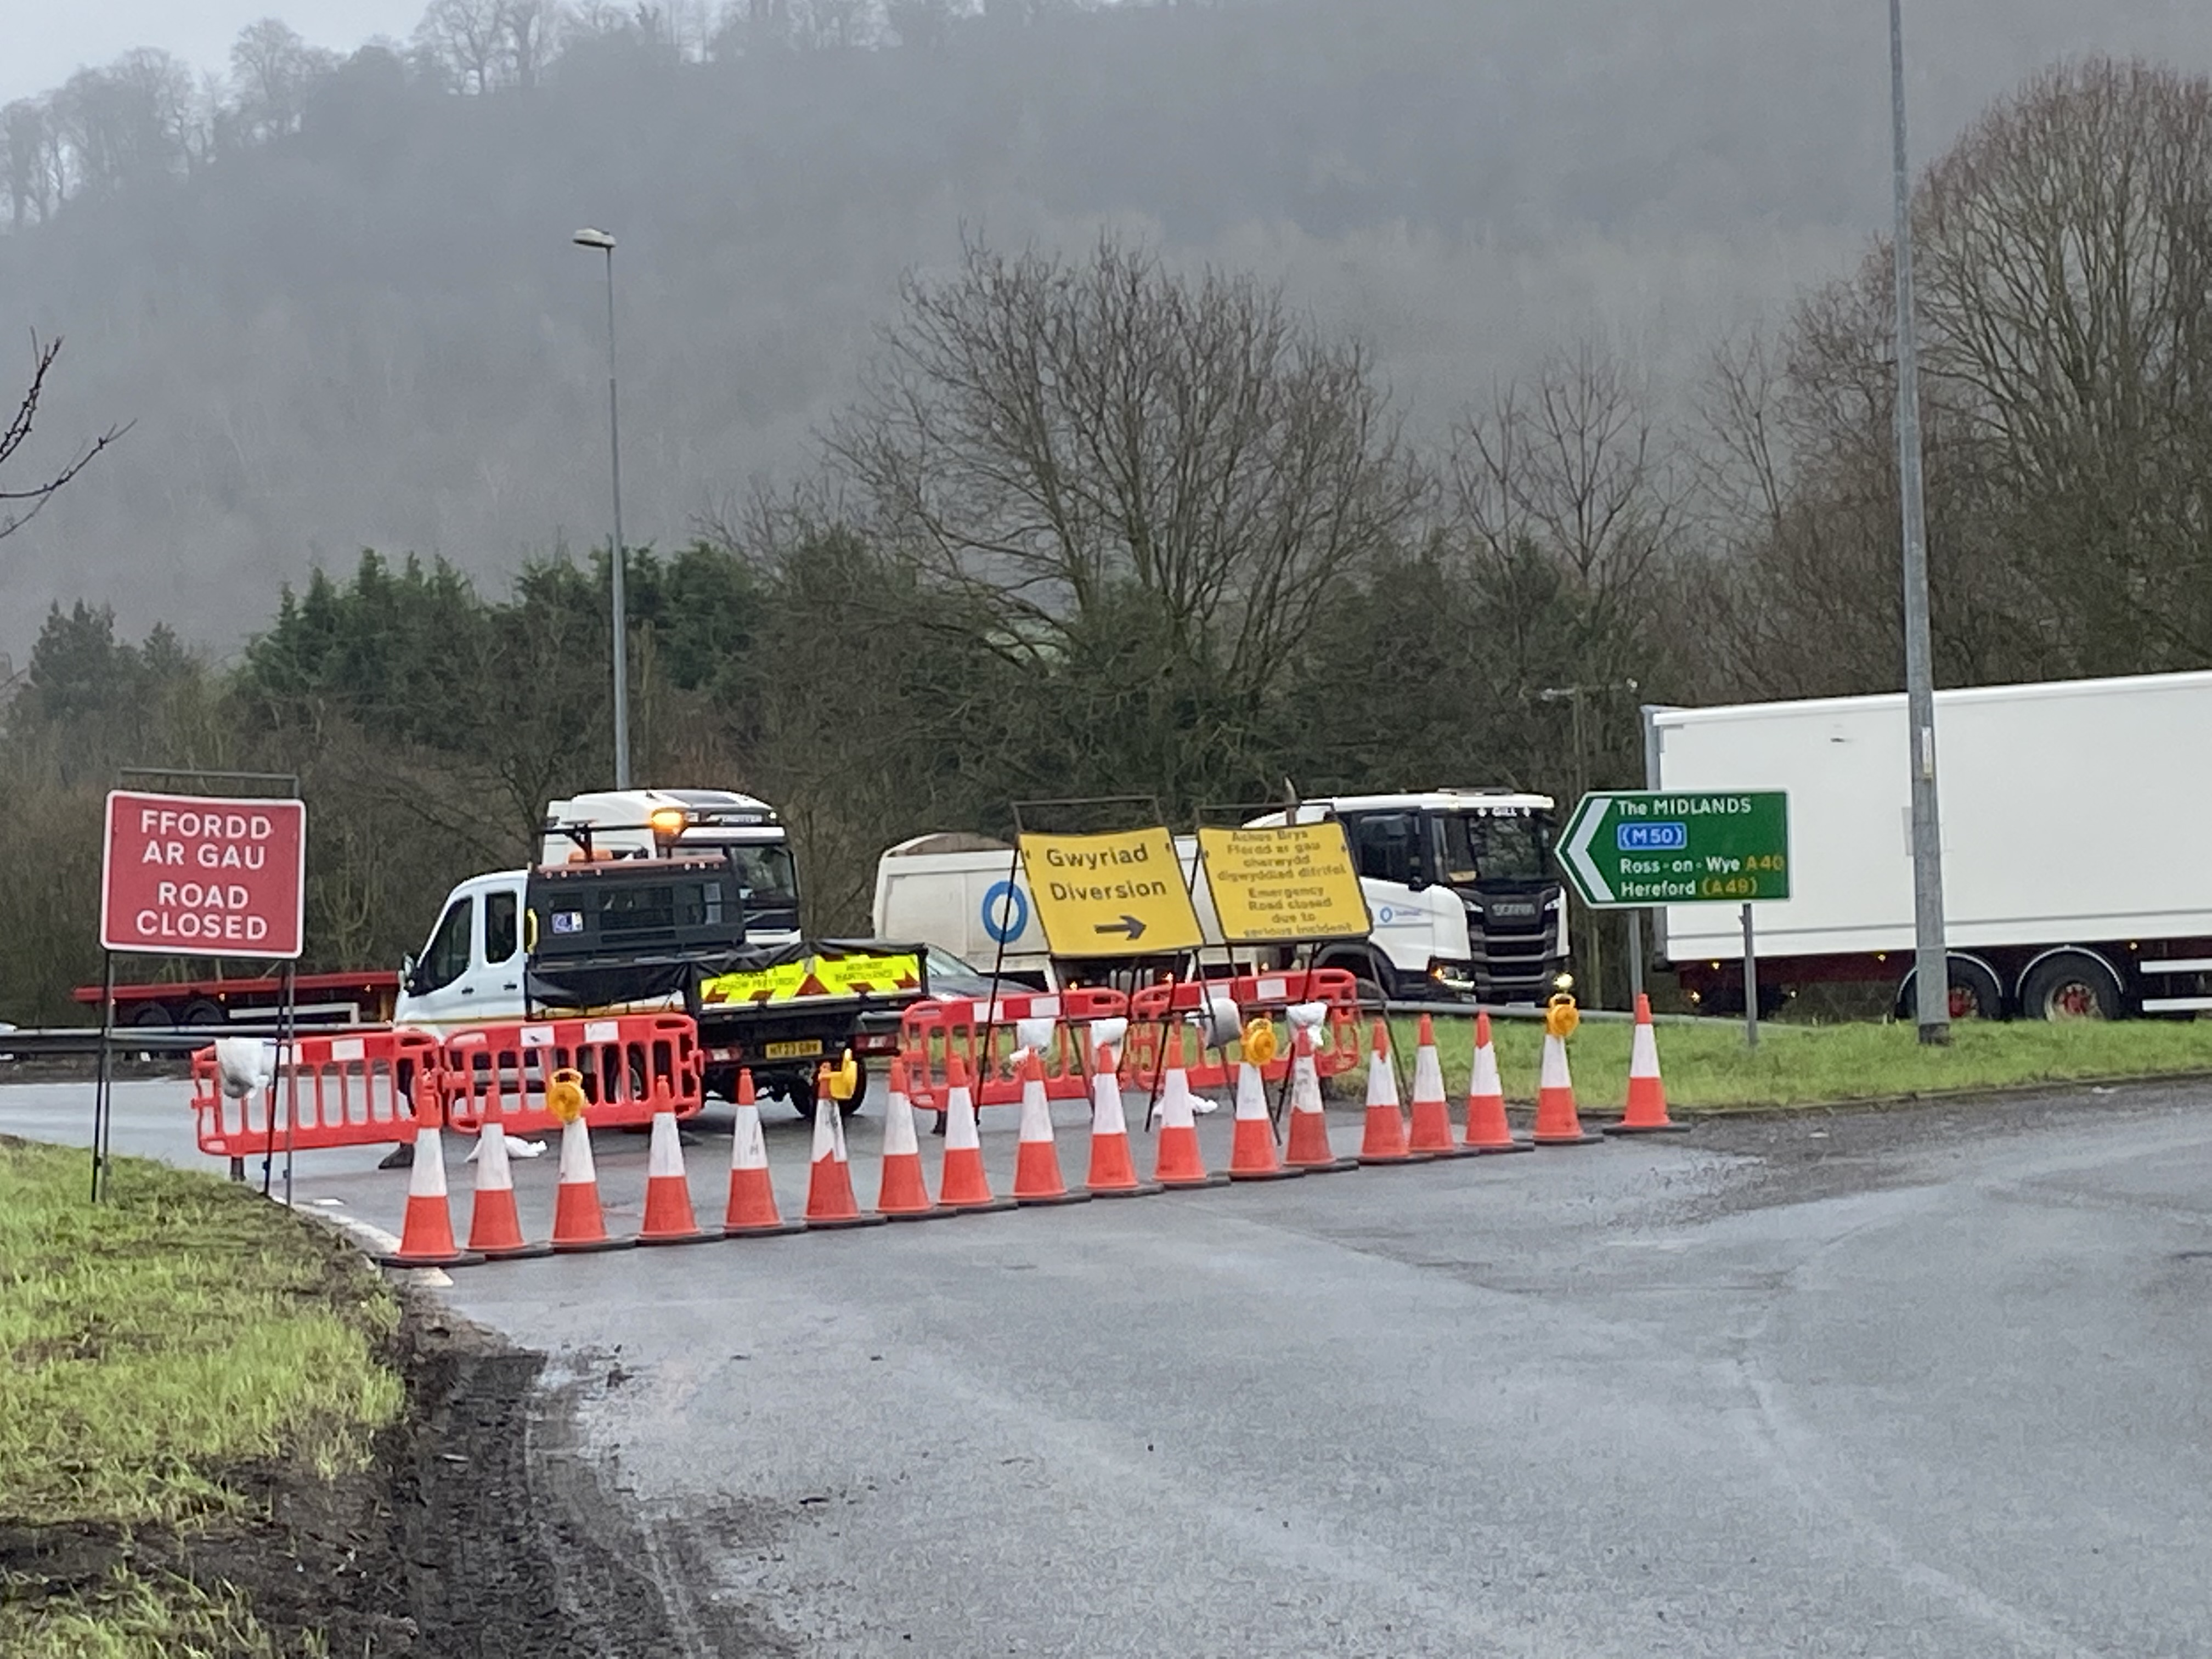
x,y
668,822
564,1095
1561,1015
844,1077
1259,1039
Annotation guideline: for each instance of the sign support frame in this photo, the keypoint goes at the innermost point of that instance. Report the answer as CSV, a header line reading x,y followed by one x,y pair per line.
x,y
103,1094
1750,983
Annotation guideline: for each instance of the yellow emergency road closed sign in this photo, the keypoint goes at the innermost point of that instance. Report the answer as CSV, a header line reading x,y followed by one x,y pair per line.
x,y
1118,895
1294,882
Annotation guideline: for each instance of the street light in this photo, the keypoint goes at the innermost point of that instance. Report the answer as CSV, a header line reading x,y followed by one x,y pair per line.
x,y
1931,974
604,243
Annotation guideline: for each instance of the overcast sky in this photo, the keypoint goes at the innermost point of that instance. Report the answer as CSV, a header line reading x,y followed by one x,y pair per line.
x,y
43,42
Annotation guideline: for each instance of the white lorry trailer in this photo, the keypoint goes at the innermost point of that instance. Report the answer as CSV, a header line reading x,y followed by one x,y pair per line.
x,y
1459,883
2075,820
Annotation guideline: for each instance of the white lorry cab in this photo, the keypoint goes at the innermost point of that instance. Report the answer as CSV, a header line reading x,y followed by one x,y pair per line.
x,y
649,823
1460,883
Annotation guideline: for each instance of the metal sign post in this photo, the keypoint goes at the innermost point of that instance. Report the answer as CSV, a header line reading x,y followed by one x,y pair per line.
x,y
1750,984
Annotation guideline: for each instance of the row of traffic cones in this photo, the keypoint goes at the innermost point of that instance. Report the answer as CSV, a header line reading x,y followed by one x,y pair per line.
x,y
494,1230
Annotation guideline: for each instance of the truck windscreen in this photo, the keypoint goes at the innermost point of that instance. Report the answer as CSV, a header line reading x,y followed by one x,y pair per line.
x,y
766,876
1479,847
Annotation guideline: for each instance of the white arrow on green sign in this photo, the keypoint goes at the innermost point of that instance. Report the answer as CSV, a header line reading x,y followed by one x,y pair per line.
x,y
1626,849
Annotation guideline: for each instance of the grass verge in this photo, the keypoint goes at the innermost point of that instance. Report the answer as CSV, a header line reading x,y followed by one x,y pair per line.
x,y
154,1348
1708,1068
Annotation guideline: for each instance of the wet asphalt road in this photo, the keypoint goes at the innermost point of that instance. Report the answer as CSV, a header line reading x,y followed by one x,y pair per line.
x,y
1920,1383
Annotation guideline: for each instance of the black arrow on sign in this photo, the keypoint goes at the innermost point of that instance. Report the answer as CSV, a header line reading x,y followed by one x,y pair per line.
x,y
1130,926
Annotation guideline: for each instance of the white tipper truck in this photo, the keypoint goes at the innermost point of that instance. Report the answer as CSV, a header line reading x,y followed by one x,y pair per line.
x,y
1459,883
2075,815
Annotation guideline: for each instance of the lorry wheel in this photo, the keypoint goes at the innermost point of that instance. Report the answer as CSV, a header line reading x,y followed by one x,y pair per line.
x,y
201,1012
1975,993
2071,985
149,1013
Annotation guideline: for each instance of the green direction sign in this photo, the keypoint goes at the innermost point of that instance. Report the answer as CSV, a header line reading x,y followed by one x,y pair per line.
x,y
1629,848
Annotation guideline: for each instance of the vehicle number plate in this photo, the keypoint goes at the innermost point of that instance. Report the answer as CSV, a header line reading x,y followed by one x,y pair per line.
x,y
792,1050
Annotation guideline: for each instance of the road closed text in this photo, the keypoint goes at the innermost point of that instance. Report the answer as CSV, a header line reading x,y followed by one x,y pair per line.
x,y
192,913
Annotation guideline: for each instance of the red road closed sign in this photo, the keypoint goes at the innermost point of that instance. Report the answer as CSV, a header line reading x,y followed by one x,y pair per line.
x,y
203,876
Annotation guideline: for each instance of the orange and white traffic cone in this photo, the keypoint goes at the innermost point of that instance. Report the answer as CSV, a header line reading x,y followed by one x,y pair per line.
x,y
1647,1093
426,1236
668,1216
1113,1172
961,1182
1558,1123
495,1229
829,1200
1433,1129
1036,1160
1252,1150
1383,1139
751,1213
1310,1149
1487,1131
1177,1160
902,1194
578,1222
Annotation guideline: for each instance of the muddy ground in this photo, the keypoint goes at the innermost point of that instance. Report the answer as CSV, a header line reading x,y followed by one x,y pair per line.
x,y
478,1530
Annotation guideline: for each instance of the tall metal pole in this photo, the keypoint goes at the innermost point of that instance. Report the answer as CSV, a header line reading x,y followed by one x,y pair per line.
x,y
1930,973
621,602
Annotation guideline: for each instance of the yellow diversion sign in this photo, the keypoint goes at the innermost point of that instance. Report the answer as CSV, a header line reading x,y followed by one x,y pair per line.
x,y
1118,895
1294,882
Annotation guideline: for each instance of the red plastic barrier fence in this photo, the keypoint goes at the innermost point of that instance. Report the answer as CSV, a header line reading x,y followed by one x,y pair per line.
x,y
633,1066
1152,1008
350,1088
981,1032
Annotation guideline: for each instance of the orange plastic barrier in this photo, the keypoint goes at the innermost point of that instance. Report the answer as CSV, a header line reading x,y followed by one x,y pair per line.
x,y
1153,1007
633,1066
348,1088
981,1032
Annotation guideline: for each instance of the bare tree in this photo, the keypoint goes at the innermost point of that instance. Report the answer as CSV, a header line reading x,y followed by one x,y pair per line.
x,y
467,39
273,69
1063,442
19,503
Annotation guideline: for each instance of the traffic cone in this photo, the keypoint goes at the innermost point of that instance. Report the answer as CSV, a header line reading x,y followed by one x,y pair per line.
x,y
1433,1129
1310,1149
901,1194
668,1217
752,1212
1384,1140
1252,1151
1646,1114
961,1182
829,1200
1557,1124
1113,1172
495,1229
578,1225
1487,1130
1176,1161
426,1236
1036,1160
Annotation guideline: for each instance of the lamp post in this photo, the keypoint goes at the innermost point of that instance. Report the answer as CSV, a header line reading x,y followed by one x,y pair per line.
x,y
589,238
1931,974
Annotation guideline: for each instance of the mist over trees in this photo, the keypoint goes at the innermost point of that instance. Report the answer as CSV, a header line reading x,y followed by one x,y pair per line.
x,y
334,290
1081,513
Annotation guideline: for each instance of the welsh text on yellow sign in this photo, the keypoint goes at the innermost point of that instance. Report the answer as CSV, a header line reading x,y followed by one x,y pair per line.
x,y
1292,882
1118,895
